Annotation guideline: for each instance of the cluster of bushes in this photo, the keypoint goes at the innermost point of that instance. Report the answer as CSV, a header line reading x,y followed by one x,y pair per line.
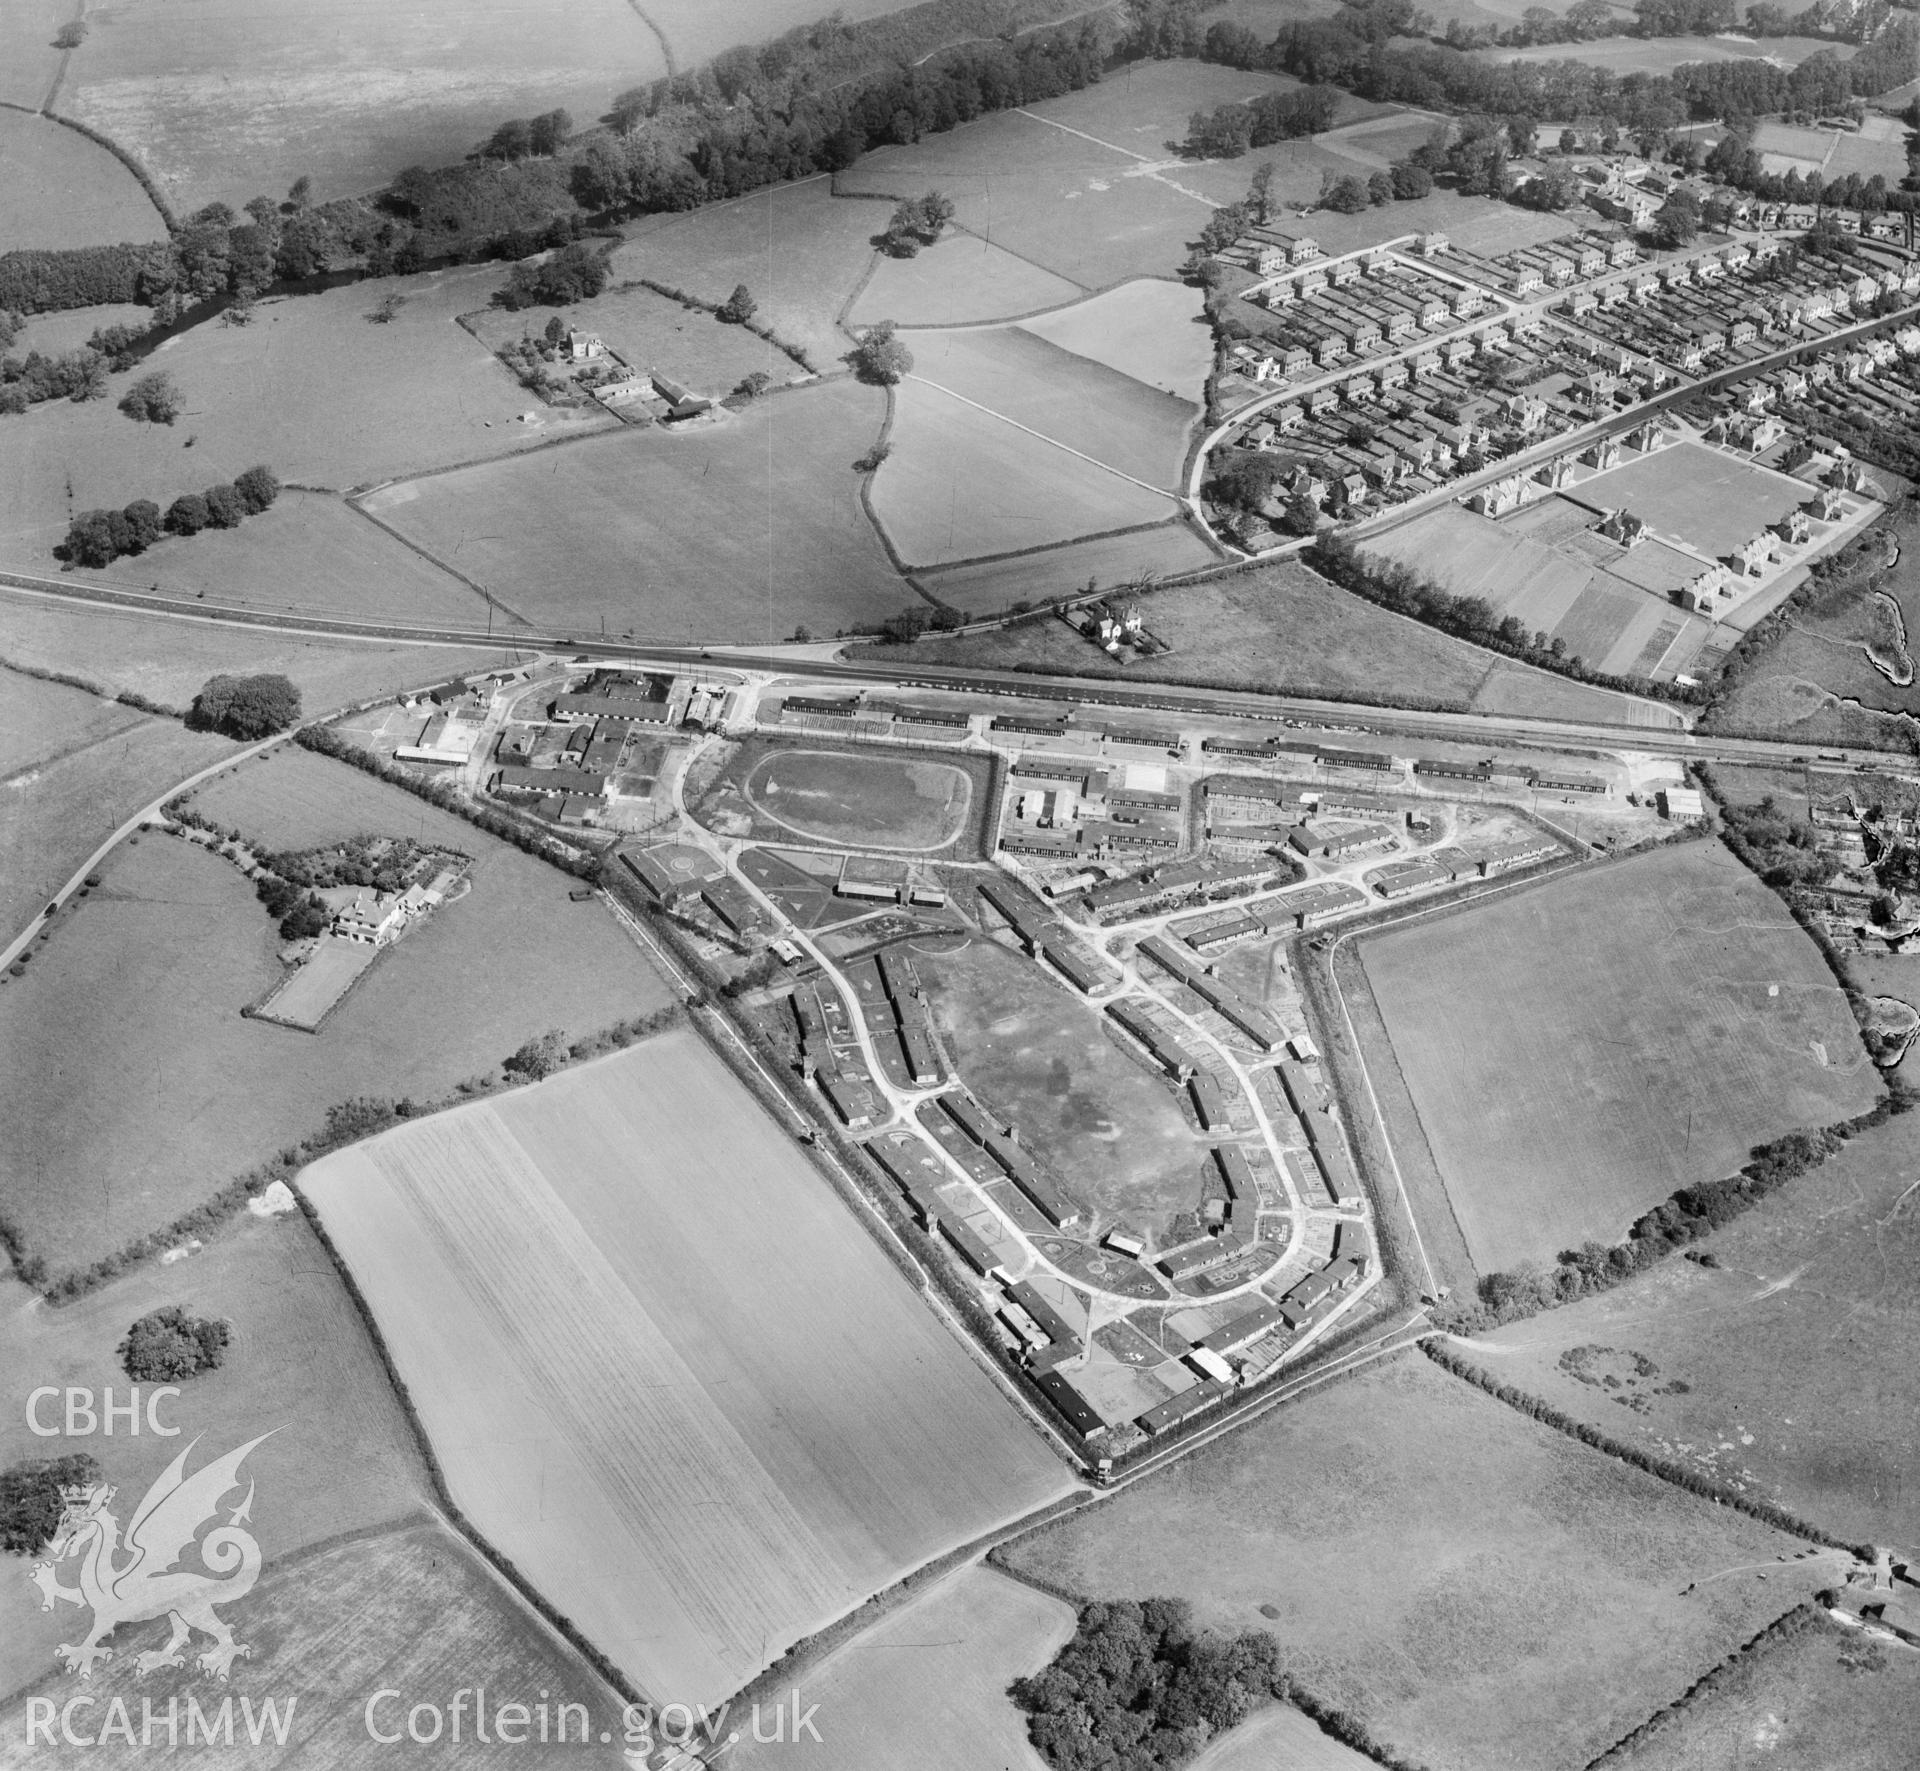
x,y
1138,1686
126,697
78,375
1690,1214
731,312
1678,1474
1403,590
167,1346
99,537
916,222
245,707
574,272
881,357
30,1503
301,915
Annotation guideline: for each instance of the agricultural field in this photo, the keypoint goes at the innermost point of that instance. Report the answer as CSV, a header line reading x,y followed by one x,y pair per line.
x,y
1824,1699
1278,1736
1096,412
1787,1368
28,59
310,554
801,250
927,1685
1021,490
649,331
863,801
229,98
958,281
1286,629
1150,330
300,1366
665,1371
64,190
353,403
741,528
1580,1049
1043,1061
411,1610
168,660
71,767
1479,1589
1139,555
145,981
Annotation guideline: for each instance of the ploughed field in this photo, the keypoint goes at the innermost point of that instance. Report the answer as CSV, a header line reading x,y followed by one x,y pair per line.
x,y
667,1373
1579,1050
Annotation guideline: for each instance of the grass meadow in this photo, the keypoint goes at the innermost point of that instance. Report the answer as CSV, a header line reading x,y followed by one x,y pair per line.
x,y
167,660
1149,330
28,59
309,386
1278,1735
1479,1589
991,586
1578,1050
300,1365
145,981
71,767
665,1371
1282,628
1042,1060
411,1610
963,482
1794,1355
63,190
926,1686
737,529
863,801
961,280
229,98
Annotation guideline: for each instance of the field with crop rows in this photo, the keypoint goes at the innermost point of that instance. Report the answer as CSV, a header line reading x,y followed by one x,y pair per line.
x,y
168,660
64,190
410,1615
229,98
741,528
145,982
1580,1049
927,1686
1786,1368
664,1369
1477,1588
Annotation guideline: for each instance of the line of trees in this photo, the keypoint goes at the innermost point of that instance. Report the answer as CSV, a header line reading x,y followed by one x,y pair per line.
x,y
99,537
1677,1474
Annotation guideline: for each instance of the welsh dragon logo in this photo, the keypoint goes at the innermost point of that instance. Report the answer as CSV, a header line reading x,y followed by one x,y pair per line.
x,y
148,1583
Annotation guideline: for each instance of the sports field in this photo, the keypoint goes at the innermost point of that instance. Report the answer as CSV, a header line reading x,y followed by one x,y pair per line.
x,y
71,767
664,1369
927,1685
739,528
800,250
959,280
1282,628
410,1615
1151,330
864,801
300,1365
963,482
1043,1061
1795,1354
63,190
1479,1589
145,982
649,331
229,98
1580,1049
1703,496
1096,411
168,660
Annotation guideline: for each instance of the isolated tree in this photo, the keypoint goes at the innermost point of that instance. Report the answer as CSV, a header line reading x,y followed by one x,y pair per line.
x,y
880,357
739,307
153,399
1348,196
70,36
1260,193
168,1345
258,487
226,509
187,514
1301,516
555,331
300,192
387,309
245,707
1677,220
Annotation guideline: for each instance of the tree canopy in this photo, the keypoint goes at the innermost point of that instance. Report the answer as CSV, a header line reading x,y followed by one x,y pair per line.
x,y
245,707
153,399
880,357
167,1345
